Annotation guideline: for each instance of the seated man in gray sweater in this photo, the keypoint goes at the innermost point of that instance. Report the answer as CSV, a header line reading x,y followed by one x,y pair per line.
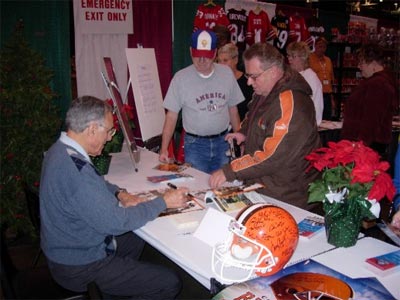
x,y
87,222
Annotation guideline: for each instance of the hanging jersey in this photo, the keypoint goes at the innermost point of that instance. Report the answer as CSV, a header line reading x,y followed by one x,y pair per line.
x,y
238,26
315,29
209,16
259,28
298,30
281,25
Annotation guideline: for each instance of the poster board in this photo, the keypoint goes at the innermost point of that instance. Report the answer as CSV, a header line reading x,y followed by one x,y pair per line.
x,y
146,90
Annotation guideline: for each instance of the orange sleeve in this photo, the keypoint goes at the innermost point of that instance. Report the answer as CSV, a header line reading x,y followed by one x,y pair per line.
x,y
281,128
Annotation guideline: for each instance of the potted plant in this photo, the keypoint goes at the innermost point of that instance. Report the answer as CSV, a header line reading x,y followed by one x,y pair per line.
x,y
353,182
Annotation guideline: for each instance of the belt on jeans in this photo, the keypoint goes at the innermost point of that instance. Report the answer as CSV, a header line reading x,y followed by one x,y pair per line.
x,y
208,136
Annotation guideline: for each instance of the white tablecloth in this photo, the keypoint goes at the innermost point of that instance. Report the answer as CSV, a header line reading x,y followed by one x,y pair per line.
x,y
194,256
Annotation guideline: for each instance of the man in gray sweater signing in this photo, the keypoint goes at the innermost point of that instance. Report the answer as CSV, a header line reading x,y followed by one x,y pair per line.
x,y
87,222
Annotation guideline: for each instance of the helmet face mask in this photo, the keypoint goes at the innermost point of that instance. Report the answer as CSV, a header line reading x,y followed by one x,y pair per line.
x,y
248,252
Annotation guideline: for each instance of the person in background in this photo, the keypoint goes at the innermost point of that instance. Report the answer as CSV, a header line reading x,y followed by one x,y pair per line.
x,y
369,110
87,222
322,66
298,53
208,95
279,130
228,55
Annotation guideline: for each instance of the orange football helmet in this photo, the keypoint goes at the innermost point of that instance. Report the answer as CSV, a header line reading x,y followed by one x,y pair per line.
x,y
262,240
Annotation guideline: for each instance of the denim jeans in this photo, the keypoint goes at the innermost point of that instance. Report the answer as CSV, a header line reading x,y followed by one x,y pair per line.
x,y
206,154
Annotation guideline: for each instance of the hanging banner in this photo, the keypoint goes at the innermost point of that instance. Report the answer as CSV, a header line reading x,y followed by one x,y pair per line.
x,y
104,16
90,48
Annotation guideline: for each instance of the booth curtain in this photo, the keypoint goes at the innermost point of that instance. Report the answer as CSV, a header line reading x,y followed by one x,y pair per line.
x,y
152,28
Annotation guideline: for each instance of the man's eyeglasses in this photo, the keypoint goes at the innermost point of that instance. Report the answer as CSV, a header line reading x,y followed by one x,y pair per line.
x,y
111,132
255,76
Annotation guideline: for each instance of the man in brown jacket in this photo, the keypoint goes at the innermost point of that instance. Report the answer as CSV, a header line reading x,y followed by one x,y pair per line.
x,y
278,131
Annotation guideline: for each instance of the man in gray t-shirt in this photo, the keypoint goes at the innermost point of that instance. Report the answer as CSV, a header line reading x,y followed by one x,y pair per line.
x,y
207,94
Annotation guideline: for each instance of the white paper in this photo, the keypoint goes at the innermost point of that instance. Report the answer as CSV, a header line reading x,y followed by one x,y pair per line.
x,y
213,227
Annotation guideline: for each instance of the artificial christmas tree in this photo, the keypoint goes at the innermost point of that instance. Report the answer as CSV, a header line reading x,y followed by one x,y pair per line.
x,y
29,124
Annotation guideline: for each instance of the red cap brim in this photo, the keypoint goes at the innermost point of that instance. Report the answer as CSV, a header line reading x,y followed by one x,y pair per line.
x,y
204,53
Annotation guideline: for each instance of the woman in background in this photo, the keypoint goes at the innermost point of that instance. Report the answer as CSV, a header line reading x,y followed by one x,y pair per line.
x,y
228,55
297,54
369,110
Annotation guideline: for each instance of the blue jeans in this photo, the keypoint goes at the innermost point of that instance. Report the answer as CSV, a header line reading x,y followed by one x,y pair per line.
x,y
206,154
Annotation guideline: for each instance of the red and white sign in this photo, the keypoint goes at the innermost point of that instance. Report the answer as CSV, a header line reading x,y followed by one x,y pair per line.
x,y
104,16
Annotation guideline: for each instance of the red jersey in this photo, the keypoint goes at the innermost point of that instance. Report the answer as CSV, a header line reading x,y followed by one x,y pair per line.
x,y
259,28
298,30
209,16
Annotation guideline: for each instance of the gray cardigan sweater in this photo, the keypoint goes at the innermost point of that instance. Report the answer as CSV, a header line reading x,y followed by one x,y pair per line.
x,y
78,208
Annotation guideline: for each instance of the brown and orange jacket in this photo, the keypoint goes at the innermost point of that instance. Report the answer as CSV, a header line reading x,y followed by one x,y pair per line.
x,y
280,131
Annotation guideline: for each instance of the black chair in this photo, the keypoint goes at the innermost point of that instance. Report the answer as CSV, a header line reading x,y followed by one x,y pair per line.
x,y
36,283
33,205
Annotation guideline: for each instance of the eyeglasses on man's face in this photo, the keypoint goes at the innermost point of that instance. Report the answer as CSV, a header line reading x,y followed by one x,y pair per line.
x,y
110,131
255,76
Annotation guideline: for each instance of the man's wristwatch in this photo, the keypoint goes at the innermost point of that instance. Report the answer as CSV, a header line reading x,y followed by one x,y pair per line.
x,y
119,191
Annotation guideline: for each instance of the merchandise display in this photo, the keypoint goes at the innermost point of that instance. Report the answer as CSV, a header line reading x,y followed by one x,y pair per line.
x,y
208,15
238,27
281,24
259,27
298,29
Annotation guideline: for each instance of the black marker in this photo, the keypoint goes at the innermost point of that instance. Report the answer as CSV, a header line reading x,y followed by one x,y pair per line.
x,y
173,186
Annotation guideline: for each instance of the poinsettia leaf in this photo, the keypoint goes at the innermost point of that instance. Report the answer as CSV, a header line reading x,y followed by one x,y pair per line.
x,y
317,192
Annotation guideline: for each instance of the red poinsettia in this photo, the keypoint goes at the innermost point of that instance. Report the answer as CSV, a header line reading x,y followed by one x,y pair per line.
x,y
127,110
353,166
